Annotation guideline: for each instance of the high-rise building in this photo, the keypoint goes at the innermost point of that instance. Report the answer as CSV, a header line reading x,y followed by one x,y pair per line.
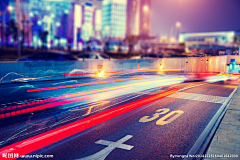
x,y
72,21
86,20
133,17
139,17
114,18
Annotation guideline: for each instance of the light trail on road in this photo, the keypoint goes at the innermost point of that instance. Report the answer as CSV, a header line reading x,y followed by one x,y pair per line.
x,y
79,85
29,145
37,108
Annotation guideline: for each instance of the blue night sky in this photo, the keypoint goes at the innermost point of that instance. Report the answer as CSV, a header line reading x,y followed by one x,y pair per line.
x,y
195,16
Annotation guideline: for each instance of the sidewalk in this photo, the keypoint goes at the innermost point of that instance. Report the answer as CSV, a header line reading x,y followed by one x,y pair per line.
x,y
226,141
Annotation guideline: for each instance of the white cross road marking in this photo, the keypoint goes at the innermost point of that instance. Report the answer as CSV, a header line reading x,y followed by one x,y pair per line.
x,y
115,144
101,155
199,97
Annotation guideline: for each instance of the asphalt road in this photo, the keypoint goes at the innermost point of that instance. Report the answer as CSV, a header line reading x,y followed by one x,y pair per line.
x,y
154,129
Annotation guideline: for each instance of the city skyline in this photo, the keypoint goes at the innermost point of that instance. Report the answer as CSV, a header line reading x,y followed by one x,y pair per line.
x,y
150,18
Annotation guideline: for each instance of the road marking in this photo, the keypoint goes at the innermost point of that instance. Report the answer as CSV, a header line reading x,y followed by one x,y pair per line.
x,y
199,97
155,116
90,106
176,114
188,87
44,139
101,155
162,121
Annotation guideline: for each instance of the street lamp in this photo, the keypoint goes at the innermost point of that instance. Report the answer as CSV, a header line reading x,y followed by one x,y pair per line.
x,y
178,24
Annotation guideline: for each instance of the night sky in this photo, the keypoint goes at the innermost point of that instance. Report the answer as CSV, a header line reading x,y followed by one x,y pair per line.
x,y
195,16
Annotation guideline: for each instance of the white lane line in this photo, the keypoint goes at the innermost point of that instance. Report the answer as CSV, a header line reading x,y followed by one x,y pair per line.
x,y
101,155
192,87
199,97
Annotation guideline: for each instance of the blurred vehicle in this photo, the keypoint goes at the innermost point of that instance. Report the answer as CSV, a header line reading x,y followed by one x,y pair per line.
x,y
137,48
92,56
146,48
49,56
93,45
148,56
117,47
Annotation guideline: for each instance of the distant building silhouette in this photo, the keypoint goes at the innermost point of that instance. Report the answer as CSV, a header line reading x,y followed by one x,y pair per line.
x,y
139,17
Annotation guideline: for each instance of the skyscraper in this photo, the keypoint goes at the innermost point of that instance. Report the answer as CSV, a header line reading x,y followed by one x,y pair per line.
x,y
114,18
87,21
139,17
72,21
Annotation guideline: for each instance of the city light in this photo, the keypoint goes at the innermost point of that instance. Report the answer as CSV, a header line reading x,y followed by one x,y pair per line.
x,y
48,8
66,11
39,22
145,8
90,20
101,73
172,40
52,15
9,8
31,14
58,24
178,24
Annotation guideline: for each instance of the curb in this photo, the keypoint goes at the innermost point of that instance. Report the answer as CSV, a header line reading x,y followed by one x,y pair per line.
x,y
200,147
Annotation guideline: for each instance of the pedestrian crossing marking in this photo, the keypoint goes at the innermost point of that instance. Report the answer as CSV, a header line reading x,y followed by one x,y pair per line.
x,y
199,97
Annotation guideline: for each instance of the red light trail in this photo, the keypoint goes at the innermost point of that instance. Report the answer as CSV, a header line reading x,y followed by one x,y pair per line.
x,y
32,144
56,104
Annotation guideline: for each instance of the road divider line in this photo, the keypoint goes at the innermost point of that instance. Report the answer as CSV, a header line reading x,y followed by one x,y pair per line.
x,y
42,140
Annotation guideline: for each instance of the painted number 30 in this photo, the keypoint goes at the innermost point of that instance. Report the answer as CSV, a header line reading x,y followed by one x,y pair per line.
x,y
162,121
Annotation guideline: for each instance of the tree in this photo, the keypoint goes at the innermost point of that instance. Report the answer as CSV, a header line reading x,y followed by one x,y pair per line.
x,y
145,48
11,30
131,41
43,37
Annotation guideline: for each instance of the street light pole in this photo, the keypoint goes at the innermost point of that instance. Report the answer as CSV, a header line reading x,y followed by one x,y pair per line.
x,y
4,29
8,8
178,25
19,45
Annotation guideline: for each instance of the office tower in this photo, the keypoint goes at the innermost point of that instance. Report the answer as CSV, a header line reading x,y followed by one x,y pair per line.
x,y
114,18
139,17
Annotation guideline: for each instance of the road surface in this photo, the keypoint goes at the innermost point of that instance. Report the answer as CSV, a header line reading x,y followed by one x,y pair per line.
x,y
127,117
